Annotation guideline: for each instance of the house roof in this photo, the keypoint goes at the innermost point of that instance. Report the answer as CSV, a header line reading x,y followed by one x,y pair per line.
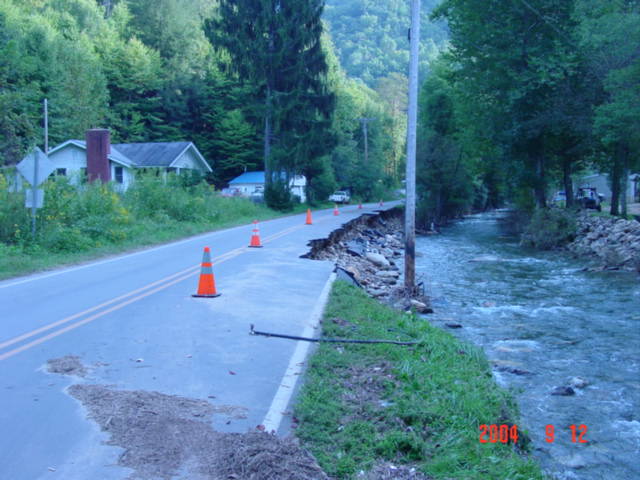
x,y
258,178
158,154
161,154
249,177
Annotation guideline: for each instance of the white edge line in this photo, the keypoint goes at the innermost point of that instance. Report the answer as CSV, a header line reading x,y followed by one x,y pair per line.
x,y
280,401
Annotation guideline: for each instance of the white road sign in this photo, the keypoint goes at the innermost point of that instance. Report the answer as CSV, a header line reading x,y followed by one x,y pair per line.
x,y
45,167
28,202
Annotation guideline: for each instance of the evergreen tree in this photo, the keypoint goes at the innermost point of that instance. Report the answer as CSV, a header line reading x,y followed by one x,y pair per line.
x,y
235,144
276,46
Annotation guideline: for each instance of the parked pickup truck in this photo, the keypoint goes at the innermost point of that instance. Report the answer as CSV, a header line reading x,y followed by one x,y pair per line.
x,y
340,197
588,197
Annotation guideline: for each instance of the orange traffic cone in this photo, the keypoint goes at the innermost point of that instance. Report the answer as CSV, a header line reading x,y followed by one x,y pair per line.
x,y
360,206
207,284
335,210
308,222
255,238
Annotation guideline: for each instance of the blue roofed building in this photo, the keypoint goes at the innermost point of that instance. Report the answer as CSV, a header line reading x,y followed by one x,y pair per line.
x,y
250,182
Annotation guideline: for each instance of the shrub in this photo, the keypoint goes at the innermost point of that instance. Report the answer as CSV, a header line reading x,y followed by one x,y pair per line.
x,y
78,218
61,239
278,196
550,228
15,221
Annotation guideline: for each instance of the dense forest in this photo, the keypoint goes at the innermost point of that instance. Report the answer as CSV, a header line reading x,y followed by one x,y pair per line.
x,y
529,94
517,97
164,70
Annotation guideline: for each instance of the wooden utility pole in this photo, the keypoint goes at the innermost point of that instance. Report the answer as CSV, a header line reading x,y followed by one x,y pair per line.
x,y
108,7
46,127
365,131
410,206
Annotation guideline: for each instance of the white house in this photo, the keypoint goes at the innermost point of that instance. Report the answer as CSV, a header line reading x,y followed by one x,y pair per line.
x,y
249,182
70,159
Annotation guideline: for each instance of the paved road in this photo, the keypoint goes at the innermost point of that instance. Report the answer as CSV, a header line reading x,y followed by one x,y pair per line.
x,y
132,321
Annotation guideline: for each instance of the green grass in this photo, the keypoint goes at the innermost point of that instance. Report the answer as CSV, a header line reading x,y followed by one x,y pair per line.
x,y
23,259
421,405
606,207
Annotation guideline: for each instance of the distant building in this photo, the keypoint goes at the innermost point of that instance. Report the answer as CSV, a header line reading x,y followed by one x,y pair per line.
x,y
250,182
602,184
118,162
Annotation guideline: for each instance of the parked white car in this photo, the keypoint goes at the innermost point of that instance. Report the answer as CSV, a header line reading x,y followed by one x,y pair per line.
x,y
340,197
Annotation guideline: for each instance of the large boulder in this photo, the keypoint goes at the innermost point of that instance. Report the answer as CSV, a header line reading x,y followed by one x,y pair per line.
x,y
377,259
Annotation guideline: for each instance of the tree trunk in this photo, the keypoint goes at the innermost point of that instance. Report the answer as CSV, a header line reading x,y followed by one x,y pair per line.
x,y
268,114
540,183
438,214
616,173
267,139
568,182
625,180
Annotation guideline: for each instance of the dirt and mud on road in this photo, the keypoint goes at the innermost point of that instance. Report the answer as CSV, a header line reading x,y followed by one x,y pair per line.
x,y
167,436
67,365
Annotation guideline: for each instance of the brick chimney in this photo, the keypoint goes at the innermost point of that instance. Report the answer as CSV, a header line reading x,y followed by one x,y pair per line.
x,y
98,147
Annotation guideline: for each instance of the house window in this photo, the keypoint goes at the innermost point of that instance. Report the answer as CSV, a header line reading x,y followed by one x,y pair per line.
x,y
62,172
118,174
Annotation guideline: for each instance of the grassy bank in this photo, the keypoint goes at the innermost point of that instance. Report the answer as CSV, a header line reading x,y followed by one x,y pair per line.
x,y
77,225
365,404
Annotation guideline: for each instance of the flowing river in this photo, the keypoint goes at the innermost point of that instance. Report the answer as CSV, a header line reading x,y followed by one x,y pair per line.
x,y
543,321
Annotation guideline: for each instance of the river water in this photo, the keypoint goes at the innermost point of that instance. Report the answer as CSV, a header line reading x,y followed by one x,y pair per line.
x,y
542,321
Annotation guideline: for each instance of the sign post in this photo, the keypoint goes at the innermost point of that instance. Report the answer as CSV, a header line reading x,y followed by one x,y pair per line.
x,y
34,194
35,168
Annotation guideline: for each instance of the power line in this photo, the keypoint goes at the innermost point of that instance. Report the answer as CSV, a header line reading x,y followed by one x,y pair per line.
x,y
545,20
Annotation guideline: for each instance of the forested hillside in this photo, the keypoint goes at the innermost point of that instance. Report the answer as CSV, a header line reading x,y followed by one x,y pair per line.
x,y
163,70
371,36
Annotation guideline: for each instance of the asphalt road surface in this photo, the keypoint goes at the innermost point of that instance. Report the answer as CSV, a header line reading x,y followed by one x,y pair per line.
x,y
133,324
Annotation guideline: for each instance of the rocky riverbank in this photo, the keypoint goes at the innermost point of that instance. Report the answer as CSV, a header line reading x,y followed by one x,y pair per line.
x,y
613,243
369,252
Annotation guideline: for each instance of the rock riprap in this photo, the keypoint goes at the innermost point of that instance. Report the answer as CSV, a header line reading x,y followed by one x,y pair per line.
x,y
614,242
370,249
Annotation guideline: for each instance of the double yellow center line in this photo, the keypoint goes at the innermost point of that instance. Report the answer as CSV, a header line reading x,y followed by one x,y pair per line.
x,y
64,325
